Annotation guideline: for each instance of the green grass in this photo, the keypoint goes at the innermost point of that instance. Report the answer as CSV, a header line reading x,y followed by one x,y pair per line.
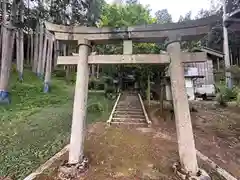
x,y
37,125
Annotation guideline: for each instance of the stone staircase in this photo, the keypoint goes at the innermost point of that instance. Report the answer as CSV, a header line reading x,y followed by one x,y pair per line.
x,y
129,111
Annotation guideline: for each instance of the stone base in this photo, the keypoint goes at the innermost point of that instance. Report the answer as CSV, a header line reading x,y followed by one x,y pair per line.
x,y
73,171
4,97
46,88
201,174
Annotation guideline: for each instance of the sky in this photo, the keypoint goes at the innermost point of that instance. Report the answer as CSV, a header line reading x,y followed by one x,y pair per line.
x,y
176,7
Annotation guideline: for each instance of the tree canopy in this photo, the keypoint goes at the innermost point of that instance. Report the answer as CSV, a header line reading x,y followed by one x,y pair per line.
x,y
126,13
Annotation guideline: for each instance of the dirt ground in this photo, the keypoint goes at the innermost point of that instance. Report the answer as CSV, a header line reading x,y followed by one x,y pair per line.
x,y
121,153
216,132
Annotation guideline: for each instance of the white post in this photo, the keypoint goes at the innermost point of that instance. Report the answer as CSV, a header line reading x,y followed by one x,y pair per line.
x,y
79,107
186,145
48,66
226,48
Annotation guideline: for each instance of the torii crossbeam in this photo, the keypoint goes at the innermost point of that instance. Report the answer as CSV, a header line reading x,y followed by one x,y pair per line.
x,y
132,59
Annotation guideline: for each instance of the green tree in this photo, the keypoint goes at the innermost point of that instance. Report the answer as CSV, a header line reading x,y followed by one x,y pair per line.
x,y
163,16
124,15
188,16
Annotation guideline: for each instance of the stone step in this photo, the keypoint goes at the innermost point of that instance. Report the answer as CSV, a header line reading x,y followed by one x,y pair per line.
x,y
128,112
127,118
128,109
131,105
114,119
139,115
129,125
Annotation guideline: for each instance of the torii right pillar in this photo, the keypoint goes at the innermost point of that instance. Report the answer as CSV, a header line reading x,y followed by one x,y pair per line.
x,y
186,144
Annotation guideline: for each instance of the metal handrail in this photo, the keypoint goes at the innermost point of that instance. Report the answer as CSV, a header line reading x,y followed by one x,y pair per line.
x,y
144,110
113,110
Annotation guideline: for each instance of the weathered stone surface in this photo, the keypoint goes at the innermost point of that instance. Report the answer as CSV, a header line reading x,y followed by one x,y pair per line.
x,y
188,30
152,174
67,171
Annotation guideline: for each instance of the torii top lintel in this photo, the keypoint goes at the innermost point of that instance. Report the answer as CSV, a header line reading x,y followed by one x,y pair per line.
x,y
188,30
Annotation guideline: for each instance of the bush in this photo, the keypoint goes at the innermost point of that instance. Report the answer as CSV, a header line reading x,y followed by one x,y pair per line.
x,y
100,86
225,94
91,84
110,93
220,98
59,73
96,84
96,107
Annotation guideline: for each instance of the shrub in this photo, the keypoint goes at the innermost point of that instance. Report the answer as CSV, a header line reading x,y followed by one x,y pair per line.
x,y
59,73
110,92
225,94
96,84
96,107
100,86
91,84
220,98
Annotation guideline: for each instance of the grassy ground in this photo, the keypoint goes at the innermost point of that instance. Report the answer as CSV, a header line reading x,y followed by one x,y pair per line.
x,y
37,125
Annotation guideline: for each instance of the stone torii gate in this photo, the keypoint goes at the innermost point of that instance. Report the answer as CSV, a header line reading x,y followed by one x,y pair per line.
x,y
173,34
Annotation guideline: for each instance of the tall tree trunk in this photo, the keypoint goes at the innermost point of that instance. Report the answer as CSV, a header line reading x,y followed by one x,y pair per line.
x,y
20,48
36,39
48,66
66,67
32,49
5,61
44,54
39,66
28,49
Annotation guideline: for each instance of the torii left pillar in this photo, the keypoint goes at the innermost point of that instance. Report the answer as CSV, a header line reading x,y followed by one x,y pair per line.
x,y
79,106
